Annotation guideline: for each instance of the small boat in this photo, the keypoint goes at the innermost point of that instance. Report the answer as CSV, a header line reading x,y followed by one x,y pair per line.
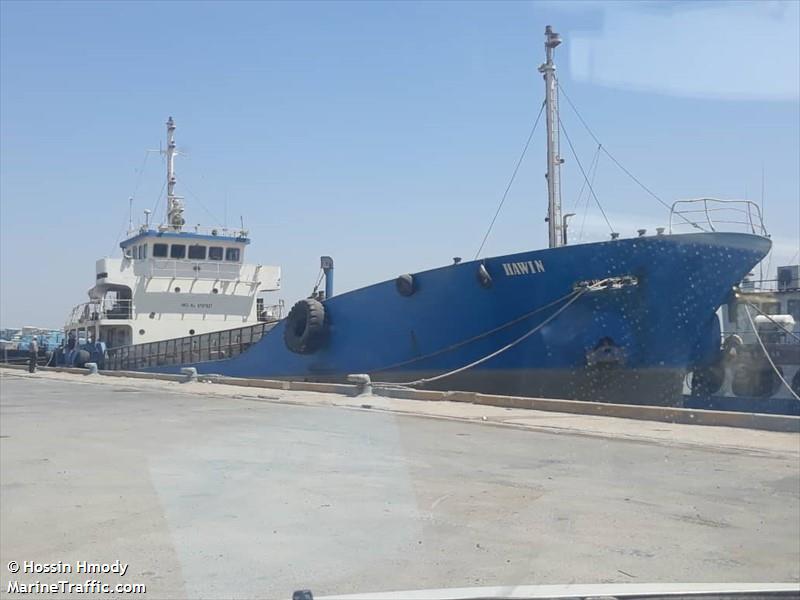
x,y
171,282
617,320
15,343
759,368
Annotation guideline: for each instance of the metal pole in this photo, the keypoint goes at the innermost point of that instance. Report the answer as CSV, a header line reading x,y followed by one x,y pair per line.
x,y
554,161
174,207
326,263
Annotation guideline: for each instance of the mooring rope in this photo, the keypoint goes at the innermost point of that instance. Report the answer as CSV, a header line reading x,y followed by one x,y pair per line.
x,y
573,297
769,358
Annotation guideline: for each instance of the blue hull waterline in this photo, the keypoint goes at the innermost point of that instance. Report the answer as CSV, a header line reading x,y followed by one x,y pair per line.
x,y
660,322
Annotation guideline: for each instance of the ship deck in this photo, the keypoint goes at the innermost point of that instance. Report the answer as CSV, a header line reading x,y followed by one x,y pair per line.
x,y
210,490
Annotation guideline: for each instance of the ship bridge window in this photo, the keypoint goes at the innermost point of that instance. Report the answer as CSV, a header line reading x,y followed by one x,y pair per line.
x,y
771,308
159,250
177,251
232,254
197,252
144,251
215,253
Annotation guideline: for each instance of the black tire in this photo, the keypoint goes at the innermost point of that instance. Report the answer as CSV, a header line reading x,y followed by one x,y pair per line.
x,y
81,358
305,331
707,380
405,284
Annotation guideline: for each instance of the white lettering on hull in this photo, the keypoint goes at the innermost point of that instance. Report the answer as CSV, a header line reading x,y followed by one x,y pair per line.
x,y
527,267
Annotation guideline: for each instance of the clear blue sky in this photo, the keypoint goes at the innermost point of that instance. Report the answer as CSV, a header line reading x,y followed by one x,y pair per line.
x,y
380,133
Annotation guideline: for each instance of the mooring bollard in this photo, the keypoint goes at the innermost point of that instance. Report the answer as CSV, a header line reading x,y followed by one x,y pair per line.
x,y
92,368
190,373
363,382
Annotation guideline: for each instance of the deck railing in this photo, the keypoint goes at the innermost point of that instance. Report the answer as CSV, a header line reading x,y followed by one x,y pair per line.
x,y
166,267
216,345
710,213
103,309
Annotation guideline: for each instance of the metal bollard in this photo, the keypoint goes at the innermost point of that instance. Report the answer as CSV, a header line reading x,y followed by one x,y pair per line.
x,y
363,382
190,373
92,368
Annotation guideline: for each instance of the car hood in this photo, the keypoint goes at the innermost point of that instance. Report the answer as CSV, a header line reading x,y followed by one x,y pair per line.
x,y
617,590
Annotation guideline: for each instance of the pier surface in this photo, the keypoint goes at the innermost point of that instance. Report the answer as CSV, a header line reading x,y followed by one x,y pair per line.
x,y
211,491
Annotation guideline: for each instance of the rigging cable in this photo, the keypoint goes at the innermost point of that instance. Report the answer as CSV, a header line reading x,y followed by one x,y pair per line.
x,y
774,322
203,206
132,196
592,165
624,170
573,297
593,171
511,181
586,177
475,338
141,172
158,201
319,281
769,358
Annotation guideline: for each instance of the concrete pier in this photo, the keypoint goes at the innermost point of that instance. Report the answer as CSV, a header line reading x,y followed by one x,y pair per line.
x,y
208,491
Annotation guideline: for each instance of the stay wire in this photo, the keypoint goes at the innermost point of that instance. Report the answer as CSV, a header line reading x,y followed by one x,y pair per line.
x,y
158,201
200,202
319,281
616,162
593,171
133,195
586,177
592,165
141,172
511,181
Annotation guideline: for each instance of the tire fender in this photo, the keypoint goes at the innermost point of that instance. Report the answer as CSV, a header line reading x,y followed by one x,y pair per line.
x,y
305,329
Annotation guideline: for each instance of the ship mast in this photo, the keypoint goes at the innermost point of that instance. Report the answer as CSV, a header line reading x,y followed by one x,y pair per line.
x,y
555,225
175,219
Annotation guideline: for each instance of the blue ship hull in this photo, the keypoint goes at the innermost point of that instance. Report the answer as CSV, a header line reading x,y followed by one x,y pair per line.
x,y
662,326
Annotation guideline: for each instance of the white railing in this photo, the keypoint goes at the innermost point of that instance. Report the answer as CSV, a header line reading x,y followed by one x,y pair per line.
x,y
240,234
761,285
200,270
104,309
710,213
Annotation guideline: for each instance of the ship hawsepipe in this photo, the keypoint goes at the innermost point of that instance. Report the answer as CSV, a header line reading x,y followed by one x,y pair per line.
x,y
660,322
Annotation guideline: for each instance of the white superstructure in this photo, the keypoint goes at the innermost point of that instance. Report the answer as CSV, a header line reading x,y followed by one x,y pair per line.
x,y
173,283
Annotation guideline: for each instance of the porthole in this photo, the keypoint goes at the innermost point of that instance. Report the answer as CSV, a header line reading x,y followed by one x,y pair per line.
x,y
215,291
191,332
141,332
152,315
177,290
